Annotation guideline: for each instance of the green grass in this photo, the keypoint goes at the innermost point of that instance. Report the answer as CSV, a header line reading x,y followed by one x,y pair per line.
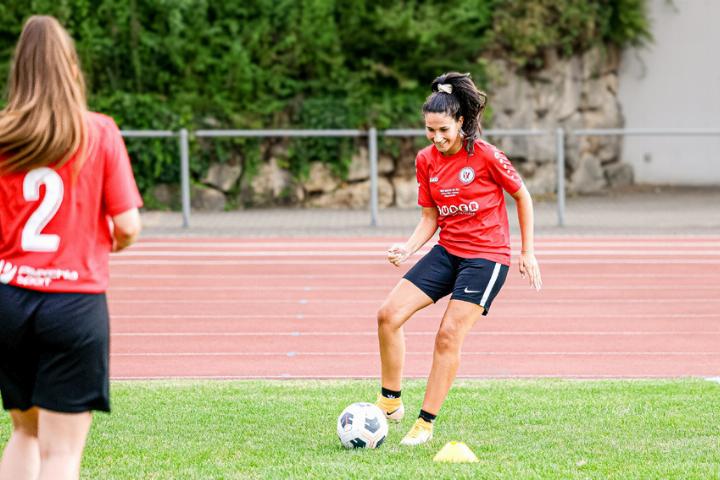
x,y
518,429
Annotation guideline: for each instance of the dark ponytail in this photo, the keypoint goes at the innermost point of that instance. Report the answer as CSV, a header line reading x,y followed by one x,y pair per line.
x,y
462,100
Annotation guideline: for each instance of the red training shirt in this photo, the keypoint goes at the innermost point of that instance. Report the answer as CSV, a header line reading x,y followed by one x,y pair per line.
x,y
467,191
55,234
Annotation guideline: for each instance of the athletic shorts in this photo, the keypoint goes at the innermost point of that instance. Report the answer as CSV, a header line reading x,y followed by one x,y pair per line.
x,y
54,350
474,280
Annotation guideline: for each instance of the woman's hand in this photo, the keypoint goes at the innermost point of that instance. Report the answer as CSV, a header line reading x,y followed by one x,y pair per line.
x,y
397,254
529,267
125,229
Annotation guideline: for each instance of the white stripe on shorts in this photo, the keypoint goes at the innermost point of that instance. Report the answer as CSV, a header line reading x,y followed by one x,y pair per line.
x,y
490,285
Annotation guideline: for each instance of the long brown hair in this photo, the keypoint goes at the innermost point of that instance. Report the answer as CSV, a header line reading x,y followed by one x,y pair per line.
x,y
461,99
43,122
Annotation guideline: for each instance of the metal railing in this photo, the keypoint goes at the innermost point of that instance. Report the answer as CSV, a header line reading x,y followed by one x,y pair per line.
x,y
372,149
372,134
184,145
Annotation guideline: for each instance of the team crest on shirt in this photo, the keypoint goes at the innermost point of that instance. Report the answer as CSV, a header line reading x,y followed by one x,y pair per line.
x,y
467,175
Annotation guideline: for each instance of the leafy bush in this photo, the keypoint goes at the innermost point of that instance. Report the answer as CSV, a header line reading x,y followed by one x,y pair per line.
x,y
167,64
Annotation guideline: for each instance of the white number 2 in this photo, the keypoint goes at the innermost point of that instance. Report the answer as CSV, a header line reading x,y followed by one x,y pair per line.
x,y
32,239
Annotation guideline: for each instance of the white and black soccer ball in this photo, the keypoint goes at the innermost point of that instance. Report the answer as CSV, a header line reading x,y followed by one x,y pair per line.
x,y
362,425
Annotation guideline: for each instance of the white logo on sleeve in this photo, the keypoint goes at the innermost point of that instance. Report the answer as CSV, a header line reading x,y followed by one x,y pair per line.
x,y
506,165
467,175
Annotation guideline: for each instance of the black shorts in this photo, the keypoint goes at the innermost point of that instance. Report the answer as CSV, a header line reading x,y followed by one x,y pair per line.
x,y
54,350
474,280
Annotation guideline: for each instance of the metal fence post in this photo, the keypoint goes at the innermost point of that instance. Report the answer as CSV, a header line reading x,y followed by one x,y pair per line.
x,y
373,154
560,147
185,176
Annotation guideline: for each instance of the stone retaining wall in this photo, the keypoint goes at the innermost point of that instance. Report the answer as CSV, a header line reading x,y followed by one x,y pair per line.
x,y
575,93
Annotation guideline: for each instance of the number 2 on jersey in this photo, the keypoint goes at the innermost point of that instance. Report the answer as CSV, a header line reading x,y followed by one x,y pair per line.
x,y
32,238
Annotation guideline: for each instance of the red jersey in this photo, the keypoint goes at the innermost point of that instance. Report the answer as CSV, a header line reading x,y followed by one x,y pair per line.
x,y
467,191
55,233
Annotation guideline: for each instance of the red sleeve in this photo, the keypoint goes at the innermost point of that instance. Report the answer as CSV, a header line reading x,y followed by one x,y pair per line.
x,y
120,192
421,172
503,172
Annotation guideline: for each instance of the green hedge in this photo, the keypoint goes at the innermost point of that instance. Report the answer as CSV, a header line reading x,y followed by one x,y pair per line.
x,y
166,64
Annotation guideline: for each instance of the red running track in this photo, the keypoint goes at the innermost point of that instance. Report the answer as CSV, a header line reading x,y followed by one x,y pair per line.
x,y
305,308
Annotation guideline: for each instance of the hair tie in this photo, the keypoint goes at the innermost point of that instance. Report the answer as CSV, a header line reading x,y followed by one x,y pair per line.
x,y
445,88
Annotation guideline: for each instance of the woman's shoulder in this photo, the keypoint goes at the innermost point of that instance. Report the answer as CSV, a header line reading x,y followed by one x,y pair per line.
x,y
485,149
426,154
483,146
103,131
101,120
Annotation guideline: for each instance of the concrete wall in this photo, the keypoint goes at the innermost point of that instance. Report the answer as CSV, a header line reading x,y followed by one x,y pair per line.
x,y
674,82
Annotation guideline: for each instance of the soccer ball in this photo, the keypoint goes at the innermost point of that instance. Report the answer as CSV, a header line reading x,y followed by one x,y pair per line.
x,y
362,425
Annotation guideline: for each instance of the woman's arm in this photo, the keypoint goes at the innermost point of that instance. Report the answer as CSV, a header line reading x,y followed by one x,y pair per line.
x,y
126,229
425,229
528,263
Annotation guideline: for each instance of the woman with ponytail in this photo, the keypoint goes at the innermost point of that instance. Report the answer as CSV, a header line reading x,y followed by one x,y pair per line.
x,y
67,198
461,180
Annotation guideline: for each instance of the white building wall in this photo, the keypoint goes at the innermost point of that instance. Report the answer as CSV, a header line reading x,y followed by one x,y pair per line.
x,y
674,82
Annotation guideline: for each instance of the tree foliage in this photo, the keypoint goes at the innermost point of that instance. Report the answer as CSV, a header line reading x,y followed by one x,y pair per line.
x,y
166,64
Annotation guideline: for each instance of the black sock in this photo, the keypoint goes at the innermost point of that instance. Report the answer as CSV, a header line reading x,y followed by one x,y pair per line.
x,y
428,417
389,393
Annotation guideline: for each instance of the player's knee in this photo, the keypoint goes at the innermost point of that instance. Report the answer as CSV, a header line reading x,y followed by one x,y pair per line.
x,y
388,317
447,340
58,449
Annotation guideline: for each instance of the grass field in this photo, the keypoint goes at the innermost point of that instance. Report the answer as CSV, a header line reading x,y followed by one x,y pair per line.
x,y
517,428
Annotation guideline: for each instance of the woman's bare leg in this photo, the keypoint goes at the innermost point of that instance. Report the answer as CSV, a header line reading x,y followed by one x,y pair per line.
x,y
21,457
62,440
459,318
402,302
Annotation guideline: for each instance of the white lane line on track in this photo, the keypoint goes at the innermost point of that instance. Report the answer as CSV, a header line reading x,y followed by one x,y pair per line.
x,y
306,316
374,276
265,245
334,301
384,288
260,253
421,334
349,377
381,253
185,263
338,262
429,353
539,243
299,276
